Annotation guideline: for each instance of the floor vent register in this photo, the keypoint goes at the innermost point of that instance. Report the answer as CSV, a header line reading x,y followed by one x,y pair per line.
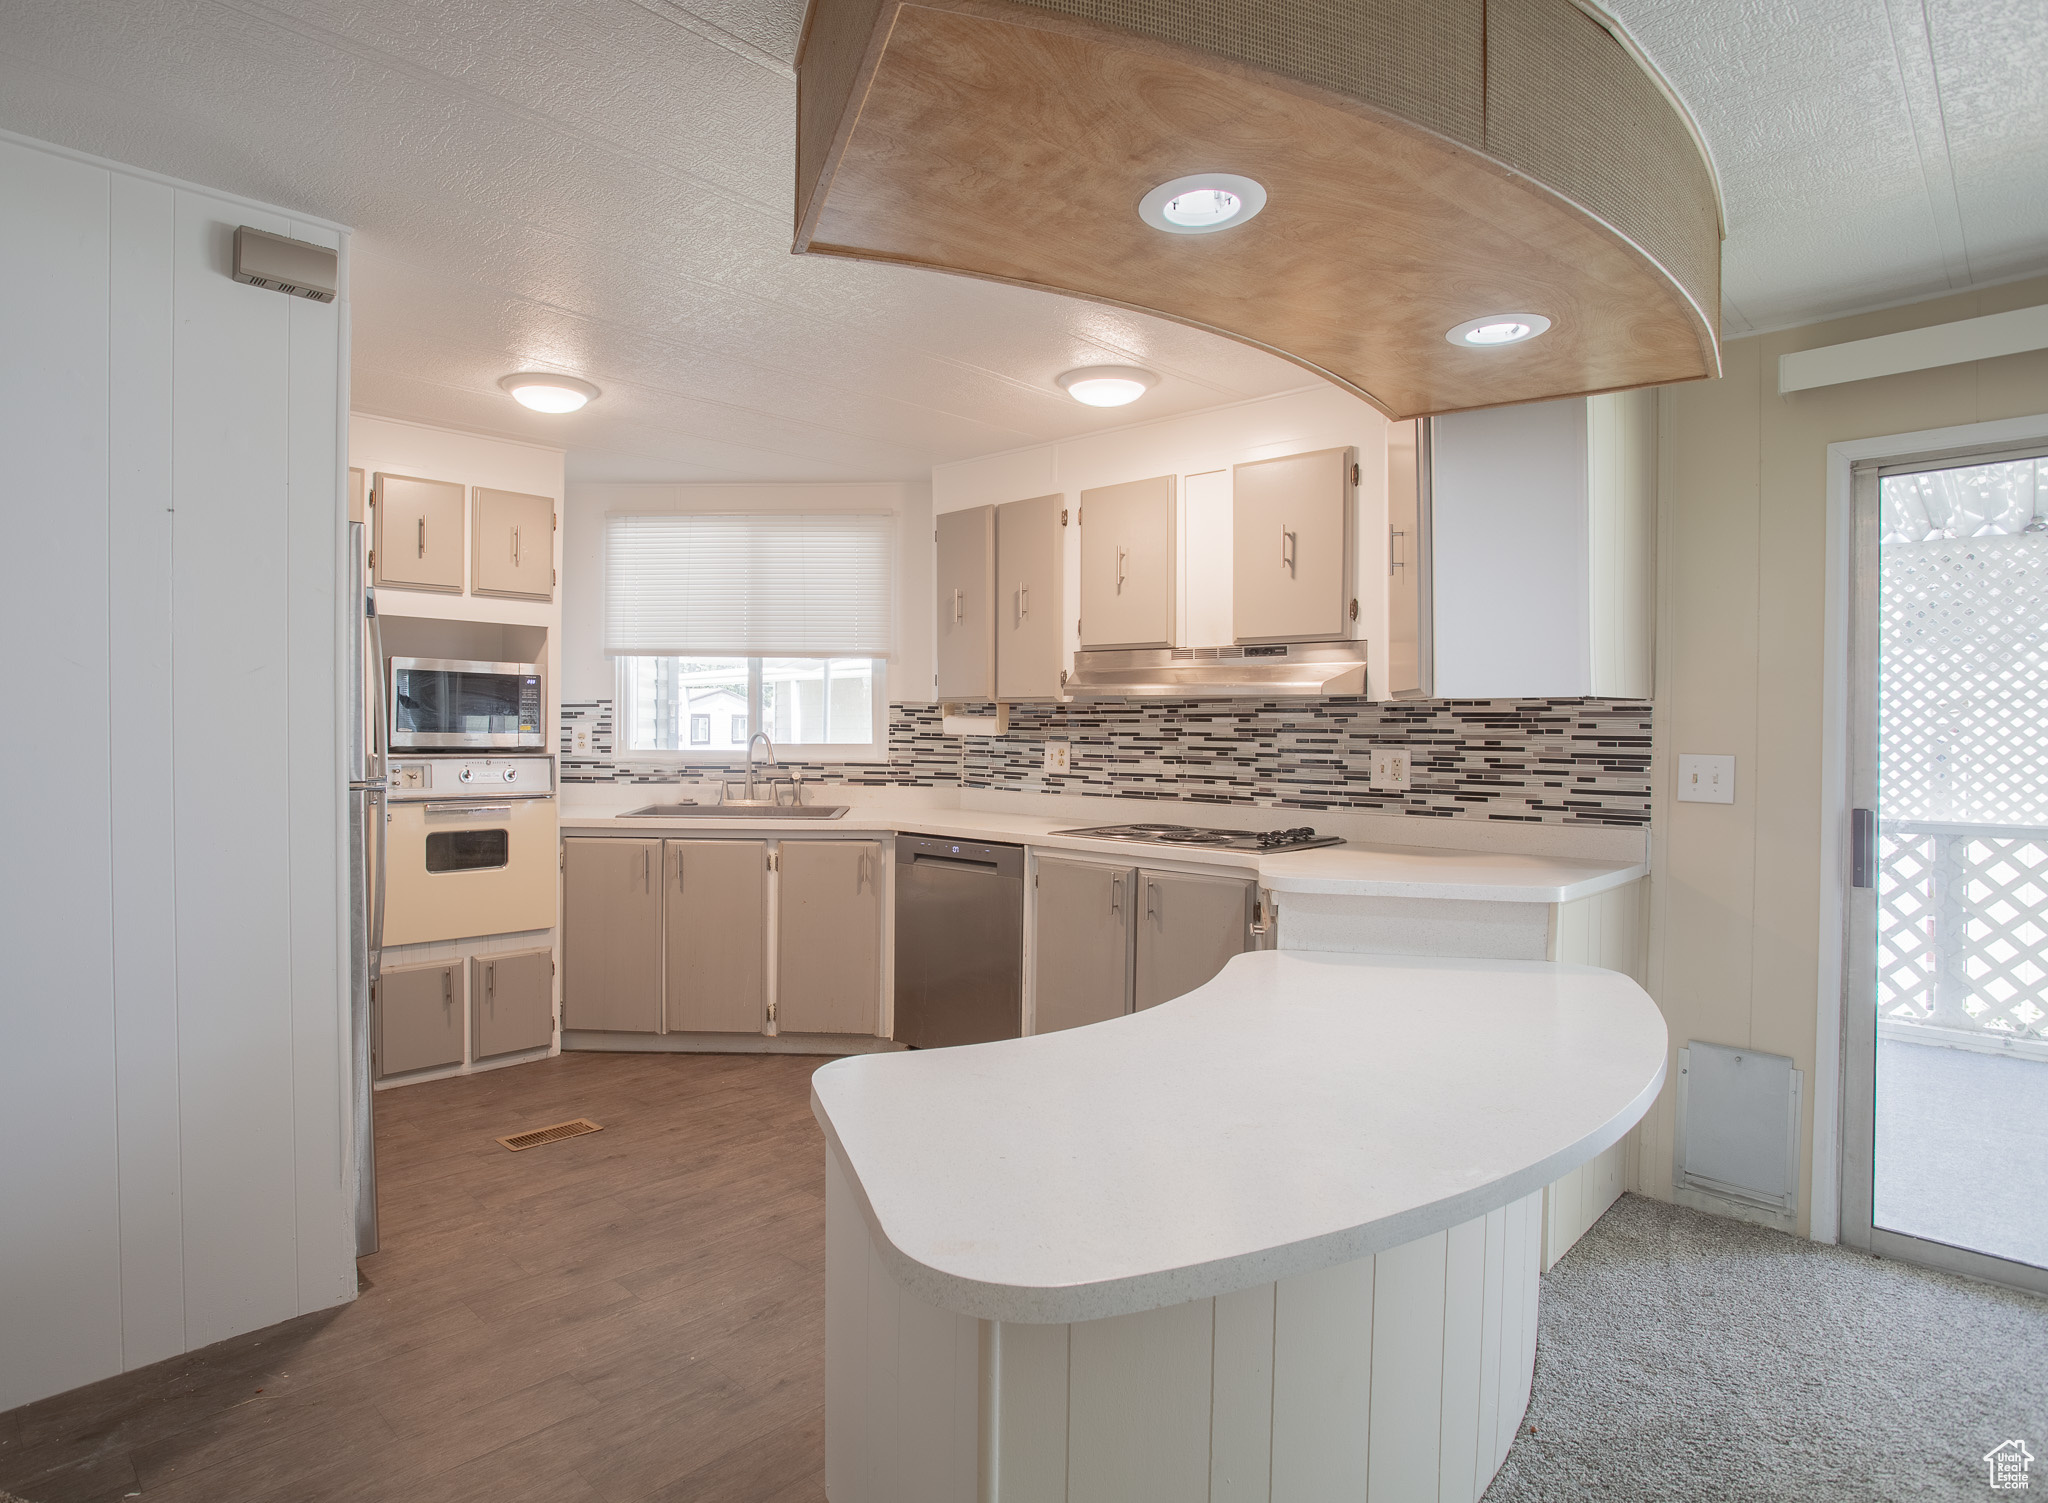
x,y
551,1134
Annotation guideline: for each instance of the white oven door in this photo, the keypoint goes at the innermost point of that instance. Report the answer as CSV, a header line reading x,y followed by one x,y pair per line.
x,y
463,867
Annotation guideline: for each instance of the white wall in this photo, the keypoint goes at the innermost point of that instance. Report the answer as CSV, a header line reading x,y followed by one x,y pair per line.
x,y
1194,445
587,672
173,1084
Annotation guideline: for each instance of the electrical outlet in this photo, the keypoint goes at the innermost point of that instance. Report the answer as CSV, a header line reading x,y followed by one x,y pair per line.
x,y
579,739
1706,780
1390,767
1059,756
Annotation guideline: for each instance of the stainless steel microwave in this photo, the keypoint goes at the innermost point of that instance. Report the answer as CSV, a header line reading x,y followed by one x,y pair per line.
x,y
449,705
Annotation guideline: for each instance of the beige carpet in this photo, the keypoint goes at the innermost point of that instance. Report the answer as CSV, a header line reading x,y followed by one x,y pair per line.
x,y
1685,1356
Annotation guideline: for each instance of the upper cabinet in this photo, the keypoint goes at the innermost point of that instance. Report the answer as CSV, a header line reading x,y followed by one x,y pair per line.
x,y
966,643
1292,557
417,538
513,540
1030,594
1130,563
1536,563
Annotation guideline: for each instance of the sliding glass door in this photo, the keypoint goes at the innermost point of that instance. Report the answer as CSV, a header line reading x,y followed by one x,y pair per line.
x,y
1946,1065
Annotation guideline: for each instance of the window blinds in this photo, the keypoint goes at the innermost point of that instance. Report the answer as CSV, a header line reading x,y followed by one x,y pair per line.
x,y
753,585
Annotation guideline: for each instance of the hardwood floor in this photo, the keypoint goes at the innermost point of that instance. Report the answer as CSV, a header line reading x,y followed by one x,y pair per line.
x,y
636,1314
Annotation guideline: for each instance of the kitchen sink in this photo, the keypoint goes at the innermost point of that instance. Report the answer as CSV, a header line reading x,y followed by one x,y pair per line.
x,y
736,811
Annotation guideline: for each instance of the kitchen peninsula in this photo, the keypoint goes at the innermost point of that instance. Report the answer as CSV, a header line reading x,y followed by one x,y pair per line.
x,y
1277,1239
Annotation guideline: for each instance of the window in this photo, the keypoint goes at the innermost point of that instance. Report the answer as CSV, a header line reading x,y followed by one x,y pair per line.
x,y
816,707
728,623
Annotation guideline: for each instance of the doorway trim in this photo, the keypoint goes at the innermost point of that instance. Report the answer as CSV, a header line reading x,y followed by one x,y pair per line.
x,y
1830,1141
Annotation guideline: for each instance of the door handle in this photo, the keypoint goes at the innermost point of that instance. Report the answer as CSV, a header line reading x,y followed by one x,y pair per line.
x,y
1863,848
1286,549
423,537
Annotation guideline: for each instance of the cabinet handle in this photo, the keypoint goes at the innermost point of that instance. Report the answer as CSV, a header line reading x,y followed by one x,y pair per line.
x,y
959,608
1122,553
1116,895
1286,549
491,983
515,547
680,881
1023,602
1394,559
447,985
423,537
643,869
1151,895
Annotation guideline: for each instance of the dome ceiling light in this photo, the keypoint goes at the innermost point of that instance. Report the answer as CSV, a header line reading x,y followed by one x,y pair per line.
x,y
544,391
1497,329
1106,385
1202,204
1405,178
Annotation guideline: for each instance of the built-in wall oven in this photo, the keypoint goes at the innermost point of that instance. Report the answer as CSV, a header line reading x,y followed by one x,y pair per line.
x,y
446,704
470,848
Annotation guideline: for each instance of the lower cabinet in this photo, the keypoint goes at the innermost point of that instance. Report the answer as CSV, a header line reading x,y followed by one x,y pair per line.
x,y
611,935
513,1002
1112,939
419,1018
828,966
715,912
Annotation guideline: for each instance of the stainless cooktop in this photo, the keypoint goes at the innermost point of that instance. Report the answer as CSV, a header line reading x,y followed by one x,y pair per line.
x,y
1300,839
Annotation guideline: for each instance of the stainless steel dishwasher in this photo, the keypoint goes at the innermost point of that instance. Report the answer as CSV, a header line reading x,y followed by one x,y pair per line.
x,y
959,941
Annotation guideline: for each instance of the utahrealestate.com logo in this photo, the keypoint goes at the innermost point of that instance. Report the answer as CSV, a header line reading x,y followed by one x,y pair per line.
x,y
2008,1465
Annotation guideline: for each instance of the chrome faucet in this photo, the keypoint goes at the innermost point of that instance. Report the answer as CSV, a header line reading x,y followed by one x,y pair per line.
x,y
757,736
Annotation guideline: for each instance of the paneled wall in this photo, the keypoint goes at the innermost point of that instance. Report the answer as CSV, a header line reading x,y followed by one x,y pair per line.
x,y
173,1088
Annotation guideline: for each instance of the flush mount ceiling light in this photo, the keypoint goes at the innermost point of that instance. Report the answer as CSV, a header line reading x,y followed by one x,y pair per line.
x,y
1106,385
1202,204
1498,329
544,391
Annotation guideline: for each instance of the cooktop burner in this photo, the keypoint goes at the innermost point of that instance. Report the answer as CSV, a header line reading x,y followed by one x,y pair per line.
x,y
1301,838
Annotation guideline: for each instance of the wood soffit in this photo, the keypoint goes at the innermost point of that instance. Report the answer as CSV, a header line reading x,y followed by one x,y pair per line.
x,y
1456,160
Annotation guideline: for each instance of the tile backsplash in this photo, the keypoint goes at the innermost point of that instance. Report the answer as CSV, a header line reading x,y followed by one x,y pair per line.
x,y
1556,761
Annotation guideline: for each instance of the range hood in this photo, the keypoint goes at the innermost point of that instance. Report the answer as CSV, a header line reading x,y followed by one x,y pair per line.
x,y
1279,671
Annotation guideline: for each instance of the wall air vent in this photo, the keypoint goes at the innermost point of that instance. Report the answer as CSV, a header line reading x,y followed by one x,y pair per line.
x,y
282,265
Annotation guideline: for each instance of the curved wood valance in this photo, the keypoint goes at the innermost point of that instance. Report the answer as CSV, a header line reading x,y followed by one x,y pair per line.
x,y
1426,161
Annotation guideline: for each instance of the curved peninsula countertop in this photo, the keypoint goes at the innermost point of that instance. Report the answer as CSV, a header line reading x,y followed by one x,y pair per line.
x,y
1298,1112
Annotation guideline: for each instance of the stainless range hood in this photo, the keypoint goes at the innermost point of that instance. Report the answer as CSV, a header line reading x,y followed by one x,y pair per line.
x,y
1279,671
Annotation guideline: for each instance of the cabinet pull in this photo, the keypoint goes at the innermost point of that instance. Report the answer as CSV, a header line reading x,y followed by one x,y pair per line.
x,y
491,982
861,877
1116,895
447,985
1151,895
1286,549
959,608
1394,559
643,869
1122,554
1023,602
423,537
680,882
515,547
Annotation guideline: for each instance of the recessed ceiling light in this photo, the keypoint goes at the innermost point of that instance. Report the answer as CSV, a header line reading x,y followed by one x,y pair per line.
x,y
1107,385
544,391
1202,204
1498,329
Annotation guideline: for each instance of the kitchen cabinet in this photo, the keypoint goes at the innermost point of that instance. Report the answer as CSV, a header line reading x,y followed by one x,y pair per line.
x,y
1130,563
715,922
1292,549
419,1018
966,641
514,1002
416,541
1188,929
611,934
1539,561
1030,593
828,971
1082,943
512,542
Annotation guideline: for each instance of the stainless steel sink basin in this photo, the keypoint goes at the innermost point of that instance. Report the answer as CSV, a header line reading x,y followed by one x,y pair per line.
x,y
736,811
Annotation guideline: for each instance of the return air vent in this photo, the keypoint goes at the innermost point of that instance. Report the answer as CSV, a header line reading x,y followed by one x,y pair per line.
x,y
552,1134
278,264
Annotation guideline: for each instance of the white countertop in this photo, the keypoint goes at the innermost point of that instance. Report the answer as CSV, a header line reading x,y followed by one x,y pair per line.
x,y
1352,870
1297,1112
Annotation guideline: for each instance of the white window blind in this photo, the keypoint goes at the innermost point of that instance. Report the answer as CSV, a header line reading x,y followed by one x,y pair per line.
x,y
752,585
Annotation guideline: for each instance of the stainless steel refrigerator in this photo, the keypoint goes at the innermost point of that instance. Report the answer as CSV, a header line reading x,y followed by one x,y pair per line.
x,y
367,744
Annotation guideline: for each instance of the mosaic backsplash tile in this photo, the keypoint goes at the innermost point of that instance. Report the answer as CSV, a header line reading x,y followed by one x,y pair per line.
x,y
1556,761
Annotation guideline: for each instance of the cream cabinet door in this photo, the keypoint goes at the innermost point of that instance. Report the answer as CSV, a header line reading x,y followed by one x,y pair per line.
x,y
1083,951
611,934
1188,929
1130,542
715,918
512,1002
1291,559
828,974
417,533
512,539
966,545
419,1018
1030,593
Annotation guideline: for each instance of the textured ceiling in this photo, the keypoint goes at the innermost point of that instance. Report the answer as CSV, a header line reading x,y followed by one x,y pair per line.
x,y
603,186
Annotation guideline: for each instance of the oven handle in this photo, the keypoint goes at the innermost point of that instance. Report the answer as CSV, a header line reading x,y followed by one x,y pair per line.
x,y
473,806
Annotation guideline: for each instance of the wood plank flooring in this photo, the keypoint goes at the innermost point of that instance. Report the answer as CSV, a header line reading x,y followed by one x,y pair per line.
x,y
632,1316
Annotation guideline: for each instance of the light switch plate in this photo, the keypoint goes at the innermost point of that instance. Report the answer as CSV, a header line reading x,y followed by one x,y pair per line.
x,y
1059,756
1705,780
1390,766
